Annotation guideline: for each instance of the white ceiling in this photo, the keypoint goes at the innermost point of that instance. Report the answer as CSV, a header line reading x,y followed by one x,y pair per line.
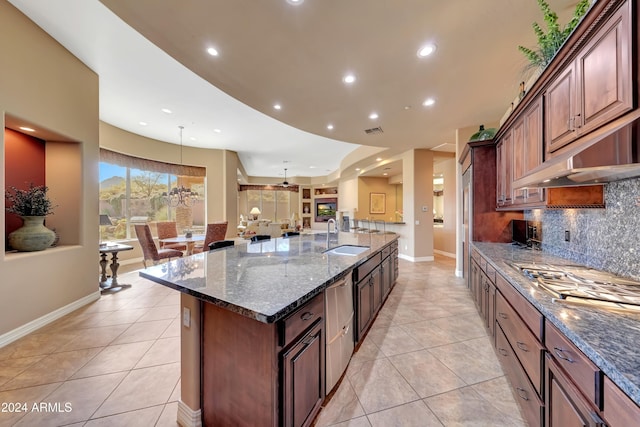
x,y
271,51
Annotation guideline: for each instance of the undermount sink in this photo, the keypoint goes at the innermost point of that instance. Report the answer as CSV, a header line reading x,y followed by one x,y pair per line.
x,y
349,250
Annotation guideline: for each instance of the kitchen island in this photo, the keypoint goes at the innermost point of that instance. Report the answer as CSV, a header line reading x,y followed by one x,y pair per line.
x,y
262,322
608,338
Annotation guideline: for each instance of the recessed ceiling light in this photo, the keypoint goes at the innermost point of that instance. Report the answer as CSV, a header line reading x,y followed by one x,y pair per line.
x,y
426,50
312,167
349,78
166,110
429,102
27,129
407,107
142,123
373,116
295,2
378,159
357,169
385,174
212,51
277,106
217,130
193,138
330,126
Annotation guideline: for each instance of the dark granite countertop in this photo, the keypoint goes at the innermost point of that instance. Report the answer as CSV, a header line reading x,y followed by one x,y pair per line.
x,y
266,280
610,339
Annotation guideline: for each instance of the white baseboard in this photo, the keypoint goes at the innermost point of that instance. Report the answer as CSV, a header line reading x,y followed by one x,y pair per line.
x,y
443,253
414,259
187,417
38,323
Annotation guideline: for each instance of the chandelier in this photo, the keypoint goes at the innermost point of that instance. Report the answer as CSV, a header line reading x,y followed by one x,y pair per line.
x,y
180,195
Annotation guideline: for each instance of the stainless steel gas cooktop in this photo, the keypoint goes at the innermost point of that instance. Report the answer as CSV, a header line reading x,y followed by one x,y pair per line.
x,y
579,284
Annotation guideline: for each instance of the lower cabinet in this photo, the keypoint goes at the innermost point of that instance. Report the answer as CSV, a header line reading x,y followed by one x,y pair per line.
x,y
266,374
303,377
566,406
374,280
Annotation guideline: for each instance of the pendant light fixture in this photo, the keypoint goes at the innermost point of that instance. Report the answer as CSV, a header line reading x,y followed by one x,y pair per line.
x,y
180,195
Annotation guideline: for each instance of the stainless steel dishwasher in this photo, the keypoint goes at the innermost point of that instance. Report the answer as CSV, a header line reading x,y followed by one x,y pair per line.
x,y
339,324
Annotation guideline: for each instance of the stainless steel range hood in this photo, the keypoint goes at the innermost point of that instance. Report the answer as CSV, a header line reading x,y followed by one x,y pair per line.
x,y
610,153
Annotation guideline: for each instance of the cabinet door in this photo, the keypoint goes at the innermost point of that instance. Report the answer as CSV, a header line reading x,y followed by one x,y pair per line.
x,y
364,302
603,70
566,407
505,169
533,149
519,158
303,378
376,284
560,100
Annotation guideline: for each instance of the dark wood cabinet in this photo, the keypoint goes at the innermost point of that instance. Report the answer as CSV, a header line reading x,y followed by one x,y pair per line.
x,y
595,88
275,369
374,280
527,151
504,166
566,406
303,382
619,410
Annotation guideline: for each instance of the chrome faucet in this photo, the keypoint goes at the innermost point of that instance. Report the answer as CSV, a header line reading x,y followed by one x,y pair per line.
x,y
335,229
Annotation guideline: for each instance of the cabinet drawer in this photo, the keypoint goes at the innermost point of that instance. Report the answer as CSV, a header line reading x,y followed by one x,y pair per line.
x,y
366,267
528,313
577,366
523,391
490,272
302,319
386,251
475,255
619,410
524,344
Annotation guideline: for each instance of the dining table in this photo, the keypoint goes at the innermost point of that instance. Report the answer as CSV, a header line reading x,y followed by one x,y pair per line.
x,y
189,242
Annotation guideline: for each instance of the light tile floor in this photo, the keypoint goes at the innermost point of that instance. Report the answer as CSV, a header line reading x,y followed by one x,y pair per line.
x,y
116,362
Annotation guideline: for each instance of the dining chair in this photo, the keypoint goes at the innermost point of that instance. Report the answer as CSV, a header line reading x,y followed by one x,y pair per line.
x,y
166,230
215,231
260,237
149,250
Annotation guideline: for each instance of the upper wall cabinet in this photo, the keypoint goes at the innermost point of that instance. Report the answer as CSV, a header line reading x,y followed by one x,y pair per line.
x,y
527,150
593,89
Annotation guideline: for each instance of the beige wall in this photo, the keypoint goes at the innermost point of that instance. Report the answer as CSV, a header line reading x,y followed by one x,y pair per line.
x,y
444,237
368,185
46,86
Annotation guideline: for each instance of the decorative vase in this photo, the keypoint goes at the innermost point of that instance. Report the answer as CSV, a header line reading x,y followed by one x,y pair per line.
x,y
32,236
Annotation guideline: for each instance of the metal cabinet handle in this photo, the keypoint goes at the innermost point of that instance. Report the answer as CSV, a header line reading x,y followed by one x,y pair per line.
x,y
560,354
522,393
502,315
503,352
522,346
307,315
309,340
345,330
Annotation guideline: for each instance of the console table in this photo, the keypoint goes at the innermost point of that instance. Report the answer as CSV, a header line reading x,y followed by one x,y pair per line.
x,y
111,284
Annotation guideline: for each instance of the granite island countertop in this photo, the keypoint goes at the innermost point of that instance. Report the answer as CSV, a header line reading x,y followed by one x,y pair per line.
x,y
266,280
610,339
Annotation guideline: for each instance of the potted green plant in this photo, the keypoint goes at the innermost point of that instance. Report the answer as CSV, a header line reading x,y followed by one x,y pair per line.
x,y
549,42
32,205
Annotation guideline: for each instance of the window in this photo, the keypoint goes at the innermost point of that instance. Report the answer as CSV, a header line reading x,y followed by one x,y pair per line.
x,y
275,203
132,191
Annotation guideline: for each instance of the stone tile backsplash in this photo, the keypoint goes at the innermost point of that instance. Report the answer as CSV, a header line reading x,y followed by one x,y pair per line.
x,y
606,239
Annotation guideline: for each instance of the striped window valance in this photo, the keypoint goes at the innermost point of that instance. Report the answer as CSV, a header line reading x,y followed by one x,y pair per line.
x,y
126,160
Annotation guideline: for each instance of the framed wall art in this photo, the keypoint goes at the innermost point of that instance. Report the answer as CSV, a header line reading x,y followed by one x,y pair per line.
x,y
377,203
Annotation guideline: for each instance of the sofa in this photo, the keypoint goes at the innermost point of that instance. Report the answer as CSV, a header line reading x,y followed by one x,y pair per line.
x,y
263,227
